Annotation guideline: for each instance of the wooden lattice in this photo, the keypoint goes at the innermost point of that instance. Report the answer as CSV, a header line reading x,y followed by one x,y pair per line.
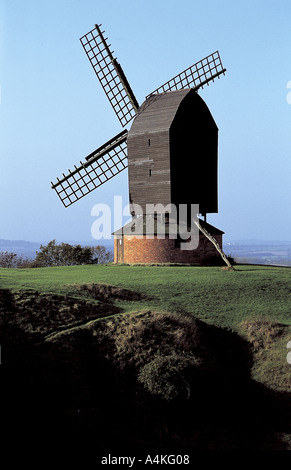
x,y
100,166
110,75
195,76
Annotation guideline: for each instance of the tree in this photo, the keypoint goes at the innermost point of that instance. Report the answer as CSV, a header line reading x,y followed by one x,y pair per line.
x,y
101,255
64,254
12,260
48,255
7,260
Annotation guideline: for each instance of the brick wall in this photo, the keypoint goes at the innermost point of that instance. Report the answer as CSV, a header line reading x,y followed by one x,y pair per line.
x,y
142,250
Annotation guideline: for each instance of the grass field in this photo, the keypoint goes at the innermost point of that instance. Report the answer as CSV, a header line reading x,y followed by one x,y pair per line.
x,y
219,297
224,298
253,302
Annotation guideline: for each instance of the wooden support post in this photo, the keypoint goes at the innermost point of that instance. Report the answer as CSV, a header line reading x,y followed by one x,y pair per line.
x,y
215,243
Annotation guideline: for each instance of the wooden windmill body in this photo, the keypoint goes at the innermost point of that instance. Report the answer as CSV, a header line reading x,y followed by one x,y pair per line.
x,y
172,143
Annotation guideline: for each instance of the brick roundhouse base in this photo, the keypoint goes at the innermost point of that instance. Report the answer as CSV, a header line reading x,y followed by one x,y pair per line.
x,y
142,250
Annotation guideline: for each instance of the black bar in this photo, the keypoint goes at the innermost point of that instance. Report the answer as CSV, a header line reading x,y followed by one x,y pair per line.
x,y
126,84
95,156
118,136
209,79
104,42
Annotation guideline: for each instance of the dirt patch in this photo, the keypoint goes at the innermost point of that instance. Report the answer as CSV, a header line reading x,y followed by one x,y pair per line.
x,y
108,293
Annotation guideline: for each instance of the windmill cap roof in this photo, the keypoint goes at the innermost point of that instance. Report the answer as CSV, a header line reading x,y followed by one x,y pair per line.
x,y
158,111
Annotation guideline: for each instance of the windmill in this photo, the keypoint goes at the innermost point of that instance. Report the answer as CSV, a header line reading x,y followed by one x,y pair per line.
x,y
166,137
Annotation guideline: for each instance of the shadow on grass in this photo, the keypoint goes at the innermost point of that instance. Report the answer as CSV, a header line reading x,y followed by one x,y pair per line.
x,y
68,400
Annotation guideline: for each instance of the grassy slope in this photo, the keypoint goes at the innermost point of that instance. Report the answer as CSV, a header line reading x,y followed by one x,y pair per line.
x,y
222,298
253,301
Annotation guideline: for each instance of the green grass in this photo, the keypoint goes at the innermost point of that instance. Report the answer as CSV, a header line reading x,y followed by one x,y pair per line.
x,y
216,296
223,298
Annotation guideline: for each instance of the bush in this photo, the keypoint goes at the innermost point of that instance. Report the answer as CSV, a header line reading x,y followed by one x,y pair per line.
x,y
64,254
54,254
12,260
139,337
168,376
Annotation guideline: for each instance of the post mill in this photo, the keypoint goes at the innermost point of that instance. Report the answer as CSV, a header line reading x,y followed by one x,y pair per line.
x,y
170,151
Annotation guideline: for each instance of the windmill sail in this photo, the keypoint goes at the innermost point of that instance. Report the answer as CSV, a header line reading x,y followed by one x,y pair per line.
x,y
100,166
110,75
195,76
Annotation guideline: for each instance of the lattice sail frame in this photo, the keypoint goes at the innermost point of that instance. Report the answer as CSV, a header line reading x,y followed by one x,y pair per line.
x,y
110,75
111,158
100,166
195,76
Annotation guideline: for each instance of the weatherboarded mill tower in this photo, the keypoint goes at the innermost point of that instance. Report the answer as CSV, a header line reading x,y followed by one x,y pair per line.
x,y
171,153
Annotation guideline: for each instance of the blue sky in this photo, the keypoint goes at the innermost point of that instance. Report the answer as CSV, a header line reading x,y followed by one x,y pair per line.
x,y
54,112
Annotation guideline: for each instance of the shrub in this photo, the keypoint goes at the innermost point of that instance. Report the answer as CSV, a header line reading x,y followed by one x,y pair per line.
x,y
64,254
139,337
168,376
13,260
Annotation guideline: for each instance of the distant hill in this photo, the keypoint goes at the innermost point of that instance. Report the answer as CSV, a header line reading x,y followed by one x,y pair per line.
x,y
244,251
20,247
259,251
256,242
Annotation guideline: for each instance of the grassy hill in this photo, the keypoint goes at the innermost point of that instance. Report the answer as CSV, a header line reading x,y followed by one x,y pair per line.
x,y
170,358
221,297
